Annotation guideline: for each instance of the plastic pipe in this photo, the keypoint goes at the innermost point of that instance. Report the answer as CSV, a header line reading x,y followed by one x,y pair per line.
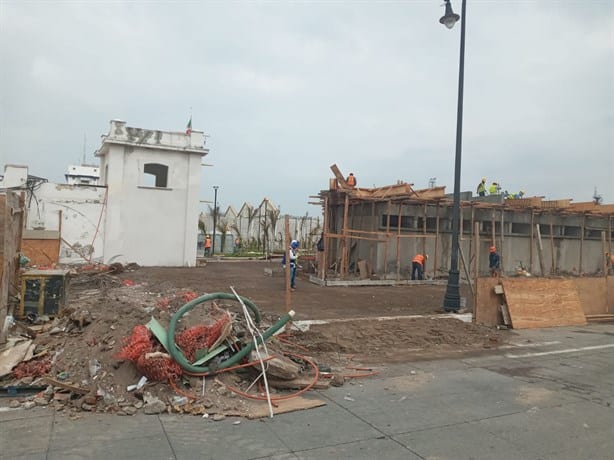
x,y
178,356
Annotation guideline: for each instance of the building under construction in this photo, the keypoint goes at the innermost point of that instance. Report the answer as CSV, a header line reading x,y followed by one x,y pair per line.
x,y
372,234
381,229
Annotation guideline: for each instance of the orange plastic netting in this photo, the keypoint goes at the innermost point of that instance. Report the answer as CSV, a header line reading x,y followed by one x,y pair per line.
x,y
158,367
147,355
200,337
139,343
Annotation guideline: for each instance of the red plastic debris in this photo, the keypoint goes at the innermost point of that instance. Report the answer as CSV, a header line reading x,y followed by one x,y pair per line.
x,y
188,296
128,282
163,303
32,368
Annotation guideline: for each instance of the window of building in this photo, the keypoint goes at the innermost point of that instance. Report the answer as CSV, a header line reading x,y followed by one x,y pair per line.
x,y
570,230
522,229
467,227
406,221
593,234
431,223
155,175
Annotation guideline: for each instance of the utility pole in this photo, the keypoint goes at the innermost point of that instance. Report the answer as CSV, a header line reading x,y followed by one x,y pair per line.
x,y
215,187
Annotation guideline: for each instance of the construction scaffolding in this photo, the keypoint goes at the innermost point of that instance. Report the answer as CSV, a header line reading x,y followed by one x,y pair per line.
x,y
373,233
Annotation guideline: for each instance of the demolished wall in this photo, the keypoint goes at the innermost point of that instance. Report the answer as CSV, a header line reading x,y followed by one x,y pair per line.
x,y
69,216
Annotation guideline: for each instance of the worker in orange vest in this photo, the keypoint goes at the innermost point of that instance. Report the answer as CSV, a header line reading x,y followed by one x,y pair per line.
x,y
208,245
417,266
351,180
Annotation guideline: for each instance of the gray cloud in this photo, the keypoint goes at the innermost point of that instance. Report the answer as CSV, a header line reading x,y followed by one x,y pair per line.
x,y
286,89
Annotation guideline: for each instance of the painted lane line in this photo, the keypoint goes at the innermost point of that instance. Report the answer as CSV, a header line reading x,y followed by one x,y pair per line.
x,y
558,352
303,325
529,345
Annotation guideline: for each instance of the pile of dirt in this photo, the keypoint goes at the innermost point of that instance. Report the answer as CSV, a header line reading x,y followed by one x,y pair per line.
x,y
76,356
397,340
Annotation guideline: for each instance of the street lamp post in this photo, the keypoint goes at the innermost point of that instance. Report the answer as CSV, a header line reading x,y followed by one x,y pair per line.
x,y
215,187
451,300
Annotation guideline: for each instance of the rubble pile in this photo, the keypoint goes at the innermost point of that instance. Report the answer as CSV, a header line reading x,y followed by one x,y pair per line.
x,y
108,348
106,352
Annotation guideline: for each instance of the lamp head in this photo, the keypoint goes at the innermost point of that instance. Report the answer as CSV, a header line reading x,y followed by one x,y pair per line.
x,y
450,17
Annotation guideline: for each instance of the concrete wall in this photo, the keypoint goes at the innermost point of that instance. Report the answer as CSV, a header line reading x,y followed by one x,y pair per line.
x,y
75,211
575,246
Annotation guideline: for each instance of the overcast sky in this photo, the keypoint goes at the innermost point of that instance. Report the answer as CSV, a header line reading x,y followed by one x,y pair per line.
x,y
286,89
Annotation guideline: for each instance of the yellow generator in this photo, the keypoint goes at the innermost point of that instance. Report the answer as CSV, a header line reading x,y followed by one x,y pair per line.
x,y
43,292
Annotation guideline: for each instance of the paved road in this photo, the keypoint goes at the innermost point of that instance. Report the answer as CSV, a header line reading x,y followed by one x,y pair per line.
x,y
548,396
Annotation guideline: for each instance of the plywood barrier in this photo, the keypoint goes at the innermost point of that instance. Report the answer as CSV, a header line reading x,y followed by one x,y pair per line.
x,y
596,296
41,252
593,295
540,302
486,310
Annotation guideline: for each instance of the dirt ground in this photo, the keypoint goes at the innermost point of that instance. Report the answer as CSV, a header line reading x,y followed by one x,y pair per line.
x,y
374,341
79,349
310,301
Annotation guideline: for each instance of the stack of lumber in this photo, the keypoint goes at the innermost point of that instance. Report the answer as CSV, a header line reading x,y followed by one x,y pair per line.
x,y
531,202
555,204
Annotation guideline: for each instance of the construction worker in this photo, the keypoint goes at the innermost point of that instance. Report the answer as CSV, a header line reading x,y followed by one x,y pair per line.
x,y
515,196
293,252
494,189
482,187
417,266
208,245
494,262
351,180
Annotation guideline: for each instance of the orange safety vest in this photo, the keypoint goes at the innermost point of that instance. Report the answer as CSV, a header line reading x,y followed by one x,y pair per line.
x,y
420,259
351,181
207,242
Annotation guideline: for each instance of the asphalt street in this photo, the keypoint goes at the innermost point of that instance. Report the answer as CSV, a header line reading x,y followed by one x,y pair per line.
x,y
549,395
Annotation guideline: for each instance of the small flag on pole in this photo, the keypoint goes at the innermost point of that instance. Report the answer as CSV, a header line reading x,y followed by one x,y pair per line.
x,y
188,128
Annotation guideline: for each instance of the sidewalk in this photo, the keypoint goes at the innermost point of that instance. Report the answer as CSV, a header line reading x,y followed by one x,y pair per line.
x,y
547,397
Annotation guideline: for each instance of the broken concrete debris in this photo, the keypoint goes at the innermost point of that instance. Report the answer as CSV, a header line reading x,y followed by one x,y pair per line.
x,y
108,351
